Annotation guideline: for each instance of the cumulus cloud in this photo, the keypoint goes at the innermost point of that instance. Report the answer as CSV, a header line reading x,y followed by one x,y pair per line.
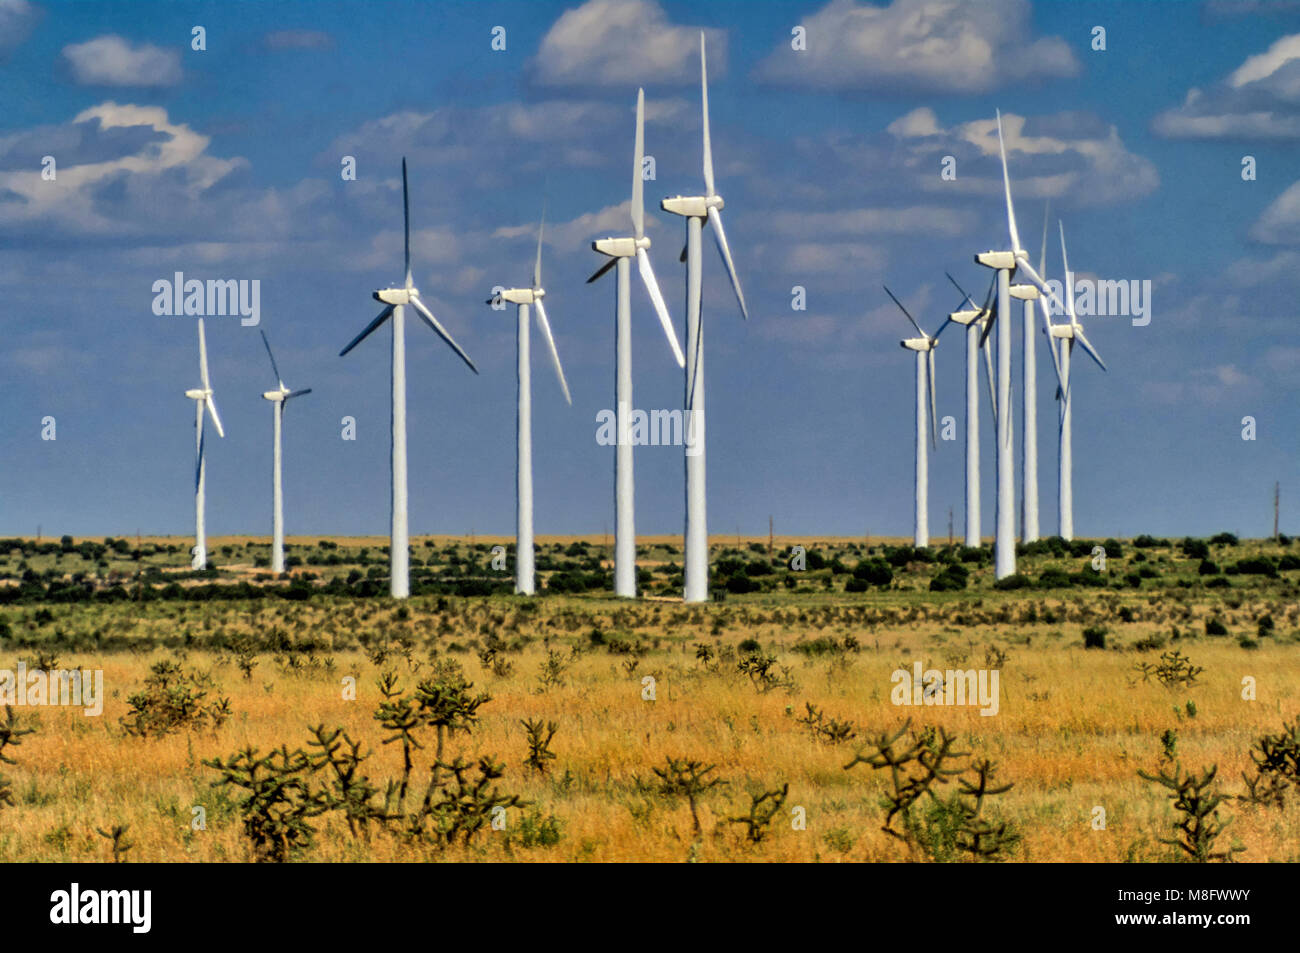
x,y
112,61
135,158
908,46
17,17
1260,99
1279,224
1072,156
624,43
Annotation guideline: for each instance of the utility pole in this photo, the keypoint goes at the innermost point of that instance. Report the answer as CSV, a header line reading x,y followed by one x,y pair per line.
x,y
769,536
950,526
1277,499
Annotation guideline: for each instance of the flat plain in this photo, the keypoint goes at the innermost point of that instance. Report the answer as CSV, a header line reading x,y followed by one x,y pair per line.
x,y
1169,656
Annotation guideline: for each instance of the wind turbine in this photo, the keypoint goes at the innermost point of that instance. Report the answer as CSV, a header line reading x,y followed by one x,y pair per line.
x,y
696,210
525,581
1005,263
202,397
396,300
924,347
278,398
620,252
975,320
1067,334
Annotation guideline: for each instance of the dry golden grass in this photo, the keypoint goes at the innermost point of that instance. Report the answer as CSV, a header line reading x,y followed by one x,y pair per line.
x,y
1073,728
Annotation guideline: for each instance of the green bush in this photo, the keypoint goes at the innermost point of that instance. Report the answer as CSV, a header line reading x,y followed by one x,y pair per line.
x,y
1014,581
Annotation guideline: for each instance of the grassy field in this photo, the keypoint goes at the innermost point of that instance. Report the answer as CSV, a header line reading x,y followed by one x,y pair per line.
x,y
730,685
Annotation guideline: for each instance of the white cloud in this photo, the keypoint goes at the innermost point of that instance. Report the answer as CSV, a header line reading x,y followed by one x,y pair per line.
x,y
17,17
1071,156
1279,224
624,42
1260,99
112,61
919,45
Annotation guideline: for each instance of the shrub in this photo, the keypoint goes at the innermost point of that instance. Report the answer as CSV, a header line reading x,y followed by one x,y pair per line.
x,y
1256,566
1094,637
1014,581
1215,627
1208,568
875,572
952,579
1223,539
1195,548
1053,578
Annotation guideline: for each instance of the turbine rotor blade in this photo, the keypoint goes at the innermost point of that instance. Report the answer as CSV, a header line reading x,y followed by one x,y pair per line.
x,y
704,100
274,368
638,184
537,266
1069,276
720,236
545,326
406,223
432,322
1042,254
934,419
1051,341
989,322
602,270
1087,346
904,310
203,358
988,368
1006,184
212,411
297,393
657,298
383,316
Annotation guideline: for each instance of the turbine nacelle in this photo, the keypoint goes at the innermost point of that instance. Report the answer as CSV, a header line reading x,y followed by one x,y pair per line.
x,y
620,247
522,295
919,344
198,394
1025,292
997,260
692,206
1061,331
279,395
396,296
965,318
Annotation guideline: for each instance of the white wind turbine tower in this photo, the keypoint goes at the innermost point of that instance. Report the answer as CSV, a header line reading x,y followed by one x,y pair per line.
x,y
395,300
620,252
278,398
1068,334
975,320
525,578
202,397
924,347
696,210
1005,263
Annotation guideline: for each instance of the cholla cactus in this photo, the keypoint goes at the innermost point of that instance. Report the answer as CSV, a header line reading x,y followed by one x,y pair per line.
x,y
1198,801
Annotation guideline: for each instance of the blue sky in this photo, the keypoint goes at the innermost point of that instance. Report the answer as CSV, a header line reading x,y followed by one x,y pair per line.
x,y
225,163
